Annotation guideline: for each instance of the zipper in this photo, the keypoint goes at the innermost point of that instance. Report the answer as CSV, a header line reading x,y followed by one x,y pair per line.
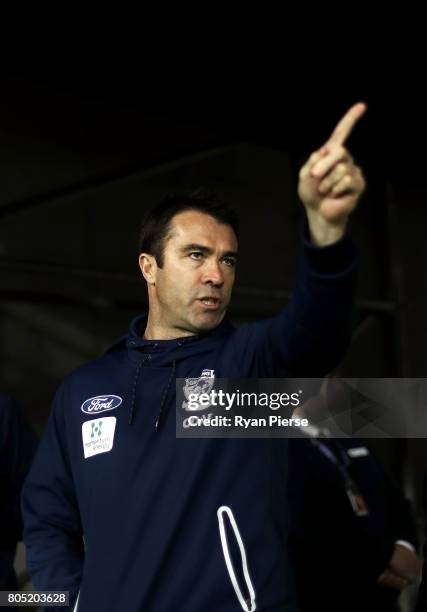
x,y
77,602
248,605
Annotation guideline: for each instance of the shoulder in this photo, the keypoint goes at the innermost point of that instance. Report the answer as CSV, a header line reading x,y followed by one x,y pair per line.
x,y
96,373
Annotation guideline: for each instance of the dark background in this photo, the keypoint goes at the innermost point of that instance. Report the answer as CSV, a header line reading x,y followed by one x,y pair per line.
x,y
85,152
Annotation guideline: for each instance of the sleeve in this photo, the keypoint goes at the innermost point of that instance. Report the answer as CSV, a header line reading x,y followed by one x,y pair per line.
x,y
422,591
403,525
53,534
309,337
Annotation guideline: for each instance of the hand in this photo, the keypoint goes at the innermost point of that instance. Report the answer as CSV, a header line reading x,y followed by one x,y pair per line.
x,y
405,563
403,569
330,184
392,581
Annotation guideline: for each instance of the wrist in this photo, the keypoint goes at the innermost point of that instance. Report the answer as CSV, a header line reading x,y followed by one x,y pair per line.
x,y
323,232
406,544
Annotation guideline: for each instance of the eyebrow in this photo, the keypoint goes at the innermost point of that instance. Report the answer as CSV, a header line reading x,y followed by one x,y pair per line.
x,y
204,249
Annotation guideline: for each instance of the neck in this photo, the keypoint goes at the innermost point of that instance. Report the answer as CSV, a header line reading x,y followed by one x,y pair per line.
x,y
157,331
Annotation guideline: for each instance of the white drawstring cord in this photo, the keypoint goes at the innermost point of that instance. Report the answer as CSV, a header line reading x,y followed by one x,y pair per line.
x,y
225,509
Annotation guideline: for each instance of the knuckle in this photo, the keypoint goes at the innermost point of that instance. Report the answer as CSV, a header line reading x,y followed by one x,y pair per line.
x,y
342,152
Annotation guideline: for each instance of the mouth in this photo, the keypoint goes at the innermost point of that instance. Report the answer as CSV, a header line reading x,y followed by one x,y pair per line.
x,y
210,303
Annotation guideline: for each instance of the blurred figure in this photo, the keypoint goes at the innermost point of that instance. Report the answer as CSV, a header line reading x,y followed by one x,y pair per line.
x,y
352,534
422,591
17,447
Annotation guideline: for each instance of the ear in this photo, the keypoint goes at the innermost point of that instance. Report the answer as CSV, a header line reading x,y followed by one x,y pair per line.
x,y
148,266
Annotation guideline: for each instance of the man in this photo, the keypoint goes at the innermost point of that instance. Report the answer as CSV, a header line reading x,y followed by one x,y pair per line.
x,y
421,605
352,533
17,448
200,524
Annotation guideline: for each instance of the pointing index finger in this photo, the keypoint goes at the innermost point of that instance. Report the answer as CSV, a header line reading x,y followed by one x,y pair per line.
x,y
345,126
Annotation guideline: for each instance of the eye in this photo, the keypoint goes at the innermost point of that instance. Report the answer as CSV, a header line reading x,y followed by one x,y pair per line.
x,y
229,261
196,255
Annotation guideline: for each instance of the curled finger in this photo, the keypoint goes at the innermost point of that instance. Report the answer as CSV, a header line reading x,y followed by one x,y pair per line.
x,y
323,166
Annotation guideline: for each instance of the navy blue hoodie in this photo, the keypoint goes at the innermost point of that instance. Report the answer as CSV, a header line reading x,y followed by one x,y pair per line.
x,y
178,524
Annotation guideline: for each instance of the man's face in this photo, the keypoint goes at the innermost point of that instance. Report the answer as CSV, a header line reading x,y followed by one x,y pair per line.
x,y
193,289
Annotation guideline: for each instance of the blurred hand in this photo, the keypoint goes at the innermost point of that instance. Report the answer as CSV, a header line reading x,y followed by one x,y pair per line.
x,y
393,581
405,563
403,569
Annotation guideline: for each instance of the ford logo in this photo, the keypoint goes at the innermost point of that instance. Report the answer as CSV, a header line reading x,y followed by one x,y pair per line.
x,y
101,403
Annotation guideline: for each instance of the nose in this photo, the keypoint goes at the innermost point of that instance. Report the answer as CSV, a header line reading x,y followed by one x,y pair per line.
x,y
213,274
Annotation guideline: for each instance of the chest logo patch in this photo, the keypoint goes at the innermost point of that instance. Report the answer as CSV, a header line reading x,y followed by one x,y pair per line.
x,y
197,386
98,436
101,403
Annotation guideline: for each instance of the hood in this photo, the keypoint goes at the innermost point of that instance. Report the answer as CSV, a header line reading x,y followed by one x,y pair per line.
x,y
166,353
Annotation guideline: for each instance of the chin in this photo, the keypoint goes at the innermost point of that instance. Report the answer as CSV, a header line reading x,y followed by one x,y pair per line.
x,y
208,323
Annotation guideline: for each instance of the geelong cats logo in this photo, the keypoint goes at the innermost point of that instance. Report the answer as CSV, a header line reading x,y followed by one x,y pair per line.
x,y
195,387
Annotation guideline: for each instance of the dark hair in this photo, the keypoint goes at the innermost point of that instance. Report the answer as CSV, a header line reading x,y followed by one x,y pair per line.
x,y
157,222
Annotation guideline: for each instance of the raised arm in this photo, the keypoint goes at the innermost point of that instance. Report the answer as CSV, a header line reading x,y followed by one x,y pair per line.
x,y
310,336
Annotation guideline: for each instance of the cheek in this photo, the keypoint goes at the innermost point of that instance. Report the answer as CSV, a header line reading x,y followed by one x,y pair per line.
x,y
230,282
176,288
165,289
